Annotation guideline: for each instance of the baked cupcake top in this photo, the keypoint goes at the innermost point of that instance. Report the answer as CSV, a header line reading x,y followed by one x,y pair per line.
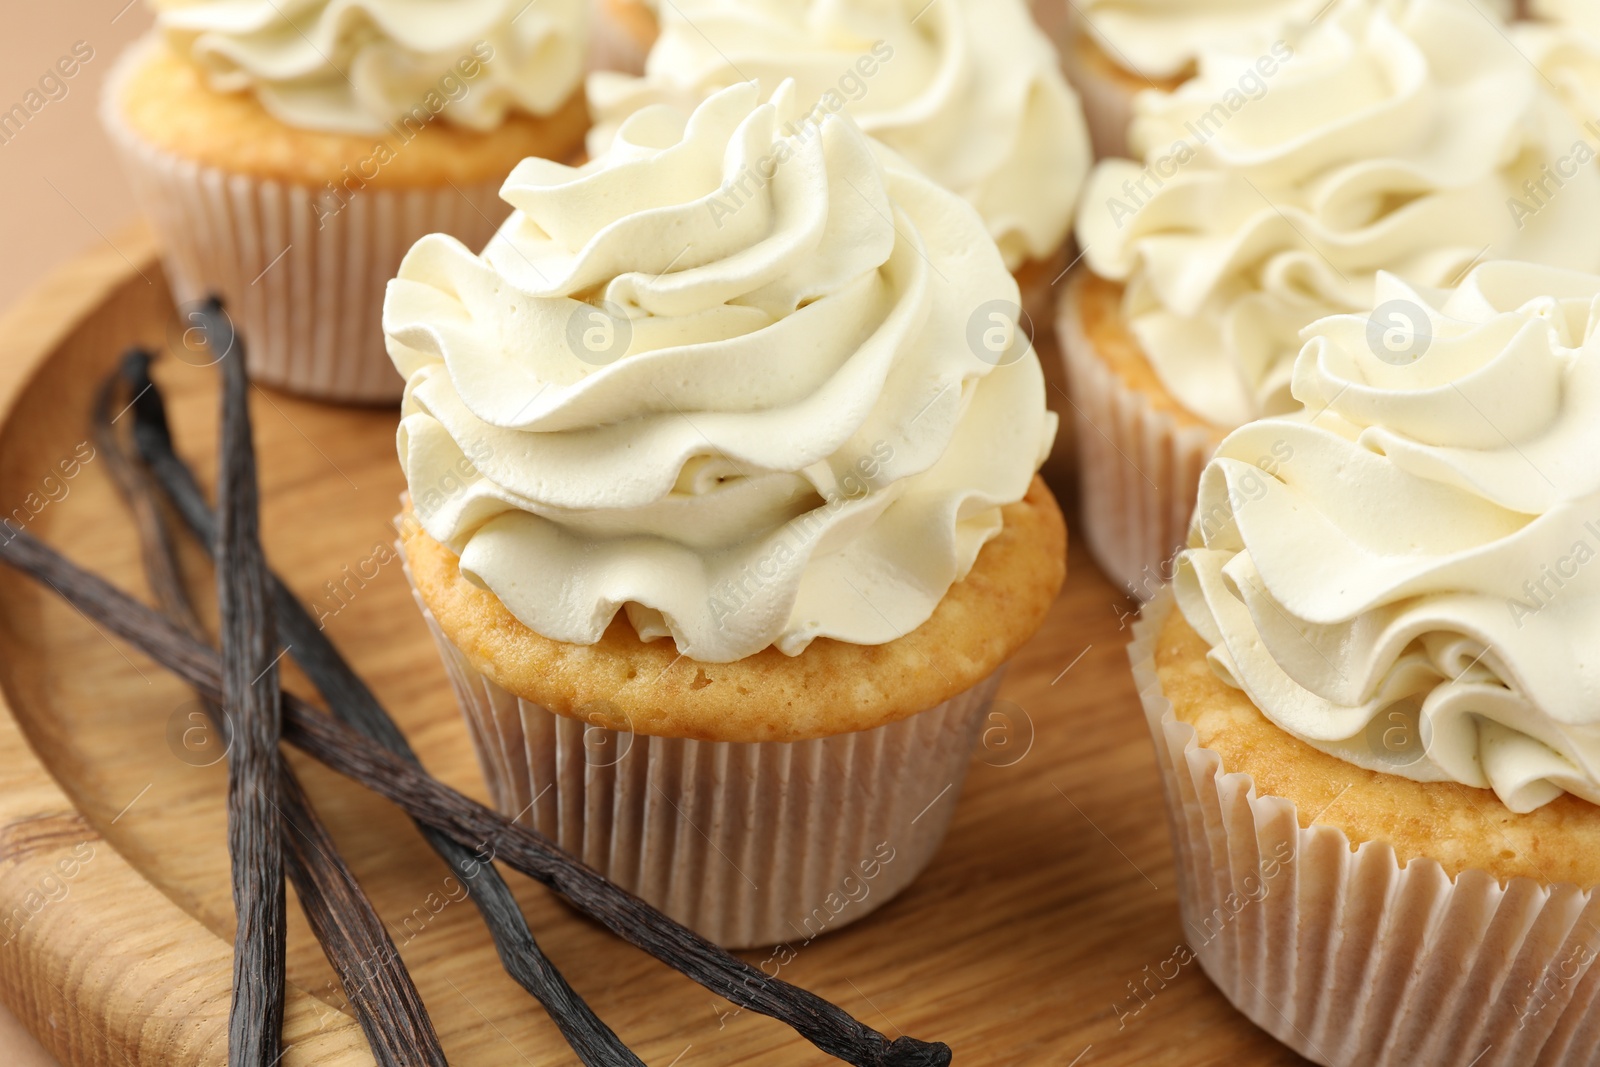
x,y
1390,135
1406,573
970,91
747,376
359,66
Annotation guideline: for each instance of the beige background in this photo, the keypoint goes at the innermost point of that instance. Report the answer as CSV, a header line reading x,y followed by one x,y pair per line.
x,y
59,180
62,190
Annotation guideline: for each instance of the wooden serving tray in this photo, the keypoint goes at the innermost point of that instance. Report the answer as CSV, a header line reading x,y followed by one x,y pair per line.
x,y
1020,945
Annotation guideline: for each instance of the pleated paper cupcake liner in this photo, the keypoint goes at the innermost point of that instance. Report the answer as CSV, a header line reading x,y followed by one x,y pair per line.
x,y
1107,101
302,282
747,844
1138,467
1348,958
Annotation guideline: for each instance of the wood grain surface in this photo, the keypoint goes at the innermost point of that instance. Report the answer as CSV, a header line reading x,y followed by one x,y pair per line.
x,y
1022,944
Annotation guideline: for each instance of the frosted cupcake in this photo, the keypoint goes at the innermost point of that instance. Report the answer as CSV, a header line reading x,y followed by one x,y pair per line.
x,y
1390,136
970,91
1564,43
289,153
724,524
1374,707
1115,49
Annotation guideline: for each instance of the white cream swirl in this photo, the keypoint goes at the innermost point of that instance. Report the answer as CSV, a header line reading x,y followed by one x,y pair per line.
x,y
1392,135
1165,38
357,66
1406,573
780,431
1579,14
1566,51
970,91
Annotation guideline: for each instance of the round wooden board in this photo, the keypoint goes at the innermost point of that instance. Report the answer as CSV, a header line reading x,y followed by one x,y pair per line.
x,y
1021,944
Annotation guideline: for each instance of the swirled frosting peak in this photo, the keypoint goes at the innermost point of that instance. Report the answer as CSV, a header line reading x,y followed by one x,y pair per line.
x,y
1406,572
1165,38
357,66
1579,14
968,90
1564,44
1400,135
730,377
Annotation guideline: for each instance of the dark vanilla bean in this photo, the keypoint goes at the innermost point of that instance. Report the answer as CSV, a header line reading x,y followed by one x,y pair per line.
x,y
358,945
353,937
822,1023
825,1025
250,696
357,706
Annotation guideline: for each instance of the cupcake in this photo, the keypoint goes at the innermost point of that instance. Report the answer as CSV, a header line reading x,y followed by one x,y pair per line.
x,y
1113,50
1563,42
724,524
621,33
970,91
289,153
1400,136
1373,707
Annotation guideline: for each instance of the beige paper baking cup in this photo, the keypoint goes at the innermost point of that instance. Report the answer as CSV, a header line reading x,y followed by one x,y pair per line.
x,y
305,295
1348,958
747,844
1138,467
